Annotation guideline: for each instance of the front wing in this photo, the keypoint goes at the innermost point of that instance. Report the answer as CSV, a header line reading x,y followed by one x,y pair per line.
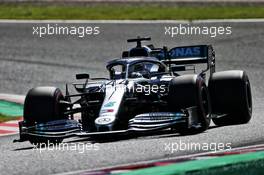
x,y
140,124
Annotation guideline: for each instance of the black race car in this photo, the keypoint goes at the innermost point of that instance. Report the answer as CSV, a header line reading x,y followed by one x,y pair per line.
x,y
148,89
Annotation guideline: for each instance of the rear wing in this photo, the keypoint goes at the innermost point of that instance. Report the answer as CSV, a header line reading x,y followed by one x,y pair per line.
x,y
198,54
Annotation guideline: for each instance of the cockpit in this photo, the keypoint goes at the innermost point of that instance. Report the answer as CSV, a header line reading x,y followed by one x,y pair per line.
x,y
136,69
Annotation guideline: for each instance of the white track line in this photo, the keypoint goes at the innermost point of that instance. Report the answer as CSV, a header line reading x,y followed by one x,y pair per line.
x,y
12,121
9,128
8,134
136,21
13,98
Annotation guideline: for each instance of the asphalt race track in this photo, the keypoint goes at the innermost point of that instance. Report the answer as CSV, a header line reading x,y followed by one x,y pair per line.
x,y
27,60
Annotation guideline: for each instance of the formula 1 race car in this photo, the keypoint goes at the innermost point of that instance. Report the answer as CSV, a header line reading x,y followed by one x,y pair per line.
x,y
148,89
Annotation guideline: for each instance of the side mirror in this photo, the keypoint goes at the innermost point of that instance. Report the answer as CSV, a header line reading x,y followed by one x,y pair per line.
x,y
125,54
82,76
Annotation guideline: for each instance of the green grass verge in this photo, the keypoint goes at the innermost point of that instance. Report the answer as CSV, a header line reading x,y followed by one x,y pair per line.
x,y
10,108
242,164
4,118
121,12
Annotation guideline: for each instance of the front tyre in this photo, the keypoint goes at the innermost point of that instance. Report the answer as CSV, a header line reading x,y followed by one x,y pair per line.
x,y
230,92
42,105
188,91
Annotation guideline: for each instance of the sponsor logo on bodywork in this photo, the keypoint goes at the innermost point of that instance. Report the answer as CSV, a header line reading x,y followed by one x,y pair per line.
x,y
109,104
160,116
186,52
105,120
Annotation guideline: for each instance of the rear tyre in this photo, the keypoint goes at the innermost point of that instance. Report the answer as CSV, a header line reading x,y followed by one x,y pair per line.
x,y
188,91
42,105
230,92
